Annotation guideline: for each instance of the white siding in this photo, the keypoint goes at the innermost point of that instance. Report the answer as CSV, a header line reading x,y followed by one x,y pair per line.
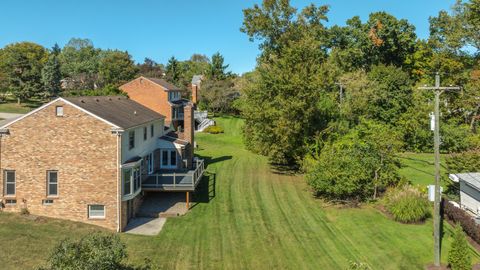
x,y
142,147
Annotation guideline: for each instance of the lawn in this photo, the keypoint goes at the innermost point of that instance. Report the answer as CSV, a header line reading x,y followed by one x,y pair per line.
x,y
249,217
13,107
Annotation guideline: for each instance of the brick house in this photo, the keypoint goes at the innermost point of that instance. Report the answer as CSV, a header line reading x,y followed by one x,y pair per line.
x,y
158,95
92,159
165,98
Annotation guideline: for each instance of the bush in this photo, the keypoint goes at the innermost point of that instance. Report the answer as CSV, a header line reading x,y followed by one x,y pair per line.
x,y
407,204
459,258
213,129
458,215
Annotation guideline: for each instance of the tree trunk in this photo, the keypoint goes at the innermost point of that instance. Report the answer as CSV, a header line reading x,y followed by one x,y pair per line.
x,y
19,101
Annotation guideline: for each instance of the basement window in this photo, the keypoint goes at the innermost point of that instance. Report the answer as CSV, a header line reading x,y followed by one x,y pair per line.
x,y
47,202
96,211
59,110
10,202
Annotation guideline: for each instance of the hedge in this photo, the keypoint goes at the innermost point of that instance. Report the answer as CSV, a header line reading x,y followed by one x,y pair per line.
x,y
458,215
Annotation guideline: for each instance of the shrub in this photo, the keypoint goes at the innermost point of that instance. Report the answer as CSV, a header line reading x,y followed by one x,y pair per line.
x,y
213,129
357,166
459,258
407,204
458,215
94,251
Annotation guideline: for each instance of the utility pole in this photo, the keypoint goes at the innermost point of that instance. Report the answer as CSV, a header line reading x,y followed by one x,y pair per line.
x,y
341,91
436,134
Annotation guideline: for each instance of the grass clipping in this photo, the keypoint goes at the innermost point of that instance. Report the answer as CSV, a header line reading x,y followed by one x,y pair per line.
x,y
407,204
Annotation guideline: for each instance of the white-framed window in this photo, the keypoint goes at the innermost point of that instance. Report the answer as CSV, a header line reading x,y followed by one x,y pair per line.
x,y
10,202
131,139
52,183
59,110
47,202
10,183
96,211
145,133
127,179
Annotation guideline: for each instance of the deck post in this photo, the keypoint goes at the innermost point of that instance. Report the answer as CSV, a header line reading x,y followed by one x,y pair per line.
x,y
188,200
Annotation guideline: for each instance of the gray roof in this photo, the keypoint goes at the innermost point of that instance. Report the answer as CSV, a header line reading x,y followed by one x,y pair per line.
x,y
118,110
168,86
197,79
471,178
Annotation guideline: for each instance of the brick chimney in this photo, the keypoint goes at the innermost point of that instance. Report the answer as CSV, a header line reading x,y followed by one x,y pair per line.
x,y
188,132
194,94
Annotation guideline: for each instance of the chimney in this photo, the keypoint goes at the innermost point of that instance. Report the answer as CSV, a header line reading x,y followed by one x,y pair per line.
x,y
194,94
188,131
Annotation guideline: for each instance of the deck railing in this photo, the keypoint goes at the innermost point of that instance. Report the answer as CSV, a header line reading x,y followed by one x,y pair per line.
x,y
176,180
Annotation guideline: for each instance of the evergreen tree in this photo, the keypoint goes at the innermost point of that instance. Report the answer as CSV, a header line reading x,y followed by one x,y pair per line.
x,y
459,256
217,70
51,74
173,70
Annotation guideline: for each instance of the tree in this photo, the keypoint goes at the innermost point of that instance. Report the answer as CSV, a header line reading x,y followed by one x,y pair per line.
x,y
150,68
357,165
218,95
383,39
51,74
79,64
21,64
284,108
116,67
459,257
173,71
217,69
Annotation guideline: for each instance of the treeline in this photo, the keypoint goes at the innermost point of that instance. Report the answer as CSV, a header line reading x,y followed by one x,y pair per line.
x,y
342,101
30,71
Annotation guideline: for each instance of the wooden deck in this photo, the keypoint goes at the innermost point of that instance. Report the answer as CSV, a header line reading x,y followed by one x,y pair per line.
x,y
174,180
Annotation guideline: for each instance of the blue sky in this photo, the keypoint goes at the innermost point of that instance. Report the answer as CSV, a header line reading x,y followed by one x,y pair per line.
x,y
159,29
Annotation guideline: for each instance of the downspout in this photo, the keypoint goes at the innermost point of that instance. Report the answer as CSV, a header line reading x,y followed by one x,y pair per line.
x,y
118,133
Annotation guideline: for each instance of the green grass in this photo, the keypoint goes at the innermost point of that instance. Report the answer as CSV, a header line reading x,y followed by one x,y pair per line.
x,y
419,168
13,107
249,217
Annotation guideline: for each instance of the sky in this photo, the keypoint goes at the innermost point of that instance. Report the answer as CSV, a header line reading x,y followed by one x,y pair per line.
x,y
160,29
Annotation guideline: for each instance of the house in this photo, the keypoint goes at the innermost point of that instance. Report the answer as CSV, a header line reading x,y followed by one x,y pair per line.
x,y
160,96
195,84
165,98
469,190
93,159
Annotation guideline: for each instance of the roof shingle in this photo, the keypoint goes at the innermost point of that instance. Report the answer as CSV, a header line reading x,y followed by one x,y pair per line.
x,y
118,110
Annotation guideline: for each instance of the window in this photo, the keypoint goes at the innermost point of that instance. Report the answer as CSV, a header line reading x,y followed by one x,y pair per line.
x,y
126,182
9,183
47,202
96,211
173,158
59,110
152,130
165,158
10,202
150,163
136,179
131,140
52,183
145,133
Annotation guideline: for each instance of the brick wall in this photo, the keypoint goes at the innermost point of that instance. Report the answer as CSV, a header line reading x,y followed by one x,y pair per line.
x,y
83,151
149,95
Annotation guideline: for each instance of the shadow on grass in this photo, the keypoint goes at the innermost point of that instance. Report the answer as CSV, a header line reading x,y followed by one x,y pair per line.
x,y
206,189
283,169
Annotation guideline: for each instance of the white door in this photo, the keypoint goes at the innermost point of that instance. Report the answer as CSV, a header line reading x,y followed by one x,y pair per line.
x,y
168,159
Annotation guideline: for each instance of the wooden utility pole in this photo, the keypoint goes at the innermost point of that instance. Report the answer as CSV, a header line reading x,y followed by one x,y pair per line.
x,y
436,134
341,90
